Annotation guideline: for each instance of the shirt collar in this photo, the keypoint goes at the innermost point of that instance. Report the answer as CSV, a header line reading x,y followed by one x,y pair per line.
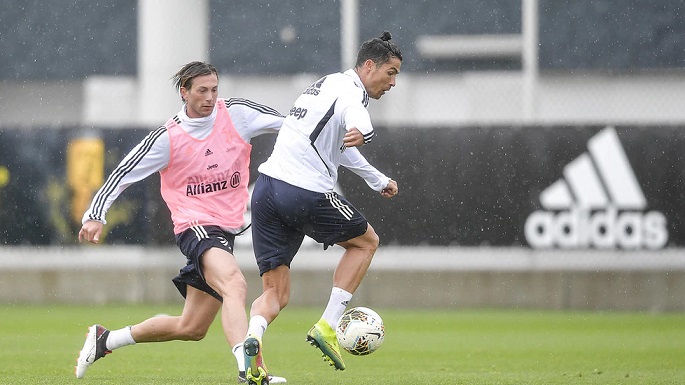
x,y
196,122
355,77
353,74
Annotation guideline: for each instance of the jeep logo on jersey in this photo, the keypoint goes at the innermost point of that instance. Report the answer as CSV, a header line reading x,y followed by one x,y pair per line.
x,y
298,112
598,203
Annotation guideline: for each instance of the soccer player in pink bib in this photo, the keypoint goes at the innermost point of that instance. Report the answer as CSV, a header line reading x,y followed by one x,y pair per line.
x,y
202,155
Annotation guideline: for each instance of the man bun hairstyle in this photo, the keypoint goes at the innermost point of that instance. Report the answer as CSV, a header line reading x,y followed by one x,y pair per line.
x,y
184,76
378,49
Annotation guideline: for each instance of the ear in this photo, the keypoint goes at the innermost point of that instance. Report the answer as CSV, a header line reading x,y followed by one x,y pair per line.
x,y
369,64
184,94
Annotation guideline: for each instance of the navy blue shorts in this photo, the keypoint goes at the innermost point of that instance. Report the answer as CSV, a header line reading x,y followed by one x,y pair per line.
x,y
282,214
193,243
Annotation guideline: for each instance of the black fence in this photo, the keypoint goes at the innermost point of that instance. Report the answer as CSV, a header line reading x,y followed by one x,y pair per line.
x,y
568,187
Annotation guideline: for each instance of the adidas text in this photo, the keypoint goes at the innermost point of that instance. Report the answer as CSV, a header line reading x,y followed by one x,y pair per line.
x,y
610,228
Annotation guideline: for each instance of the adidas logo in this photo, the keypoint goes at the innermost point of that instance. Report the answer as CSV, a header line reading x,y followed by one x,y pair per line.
x,y
208,152
598,203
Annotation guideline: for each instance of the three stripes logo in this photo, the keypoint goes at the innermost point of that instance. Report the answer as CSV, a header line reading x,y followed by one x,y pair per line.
x,y
200,232
245,238
598,203
337,203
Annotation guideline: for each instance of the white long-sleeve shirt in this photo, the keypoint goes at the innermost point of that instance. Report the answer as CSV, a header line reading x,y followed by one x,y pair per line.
x,y
309,147
152,153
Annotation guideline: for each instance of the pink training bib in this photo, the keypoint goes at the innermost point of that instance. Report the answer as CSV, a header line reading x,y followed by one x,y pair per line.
x,y
206,180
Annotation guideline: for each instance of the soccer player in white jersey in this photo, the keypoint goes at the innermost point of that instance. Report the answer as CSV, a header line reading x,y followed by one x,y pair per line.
x,y
294,196
203,156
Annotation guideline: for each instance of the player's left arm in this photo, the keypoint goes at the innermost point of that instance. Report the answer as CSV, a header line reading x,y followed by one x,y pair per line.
x,y
390,190
253,119
353,138
354,161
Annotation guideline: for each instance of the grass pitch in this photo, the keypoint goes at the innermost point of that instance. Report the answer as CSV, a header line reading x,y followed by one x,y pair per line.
x,y
39,344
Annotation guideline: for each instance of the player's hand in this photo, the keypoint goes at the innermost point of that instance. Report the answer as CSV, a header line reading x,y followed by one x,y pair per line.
x,y
390,190
353,138
90,231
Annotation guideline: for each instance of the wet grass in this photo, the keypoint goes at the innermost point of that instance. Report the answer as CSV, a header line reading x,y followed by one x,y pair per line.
x,y
39,344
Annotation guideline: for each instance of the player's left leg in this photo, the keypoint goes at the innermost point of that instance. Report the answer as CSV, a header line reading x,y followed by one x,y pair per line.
x,y
334,220
192,325
356,260
347,277
93,349
198,313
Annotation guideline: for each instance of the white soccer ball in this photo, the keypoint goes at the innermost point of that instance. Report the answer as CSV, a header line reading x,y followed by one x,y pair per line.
x,y
360,331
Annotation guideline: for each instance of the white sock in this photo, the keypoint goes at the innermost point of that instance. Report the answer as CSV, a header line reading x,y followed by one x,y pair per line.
x,y
119,338
336,306
257,326
239,354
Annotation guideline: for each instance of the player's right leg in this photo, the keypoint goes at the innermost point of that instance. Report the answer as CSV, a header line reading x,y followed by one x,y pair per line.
x,y
255,370
222,273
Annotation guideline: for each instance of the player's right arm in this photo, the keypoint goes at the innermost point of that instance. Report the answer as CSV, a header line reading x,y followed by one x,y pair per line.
x,y
90,231
149,156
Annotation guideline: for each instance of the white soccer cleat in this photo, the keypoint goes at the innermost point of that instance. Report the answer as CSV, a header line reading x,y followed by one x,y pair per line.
x,y
93,349
277,380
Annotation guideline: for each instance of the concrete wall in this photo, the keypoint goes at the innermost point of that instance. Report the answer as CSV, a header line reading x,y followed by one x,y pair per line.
x,y
399,277
418,100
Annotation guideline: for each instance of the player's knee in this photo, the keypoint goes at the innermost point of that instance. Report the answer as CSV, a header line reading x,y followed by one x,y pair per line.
x,y
232,286
371,239
237,286
193,333
368,241
283,300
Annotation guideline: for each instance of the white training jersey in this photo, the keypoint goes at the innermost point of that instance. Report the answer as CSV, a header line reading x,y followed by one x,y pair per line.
x,y
309,147
152,153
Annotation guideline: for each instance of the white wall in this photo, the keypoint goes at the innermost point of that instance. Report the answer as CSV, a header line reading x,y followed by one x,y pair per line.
x,y
458,277
480,98
171,33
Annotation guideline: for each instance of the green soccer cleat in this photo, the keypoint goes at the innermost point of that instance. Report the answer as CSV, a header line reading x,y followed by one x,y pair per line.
x,y
322,336
255,372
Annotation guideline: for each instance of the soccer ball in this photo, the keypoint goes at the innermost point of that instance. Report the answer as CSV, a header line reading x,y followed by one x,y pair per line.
x,y
360,331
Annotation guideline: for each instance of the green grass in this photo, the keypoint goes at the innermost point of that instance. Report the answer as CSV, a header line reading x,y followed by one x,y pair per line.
x,y
38,345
